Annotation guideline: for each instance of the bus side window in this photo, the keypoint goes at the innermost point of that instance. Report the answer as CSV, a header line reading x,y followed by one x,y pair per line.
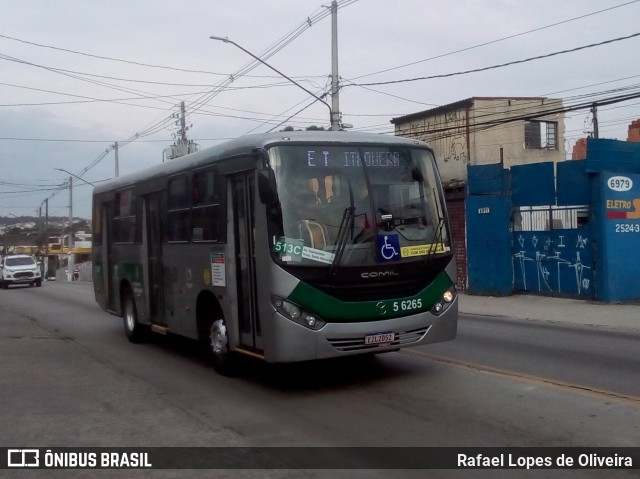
x,y
178,209
206,205
124,221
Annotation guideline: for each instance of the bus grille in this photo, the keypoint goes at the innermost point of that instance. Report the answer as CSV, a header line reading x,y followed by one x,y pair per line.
x,y
357,343
376,291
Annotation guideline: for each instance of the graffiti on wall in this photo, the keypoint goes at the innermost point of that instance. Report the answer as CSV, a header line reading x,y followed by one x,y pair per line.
x,y
453,145
447,135
558,261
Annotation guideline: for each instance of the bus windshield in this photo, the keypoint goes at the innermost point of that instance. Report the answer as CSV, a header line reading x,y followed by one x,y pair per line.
x,y
342,206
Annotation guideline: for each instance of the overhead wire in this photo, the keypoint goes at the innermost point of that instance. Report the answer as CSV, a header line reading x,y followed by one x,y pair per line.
x,y
509,37
194,106
501,65
446,131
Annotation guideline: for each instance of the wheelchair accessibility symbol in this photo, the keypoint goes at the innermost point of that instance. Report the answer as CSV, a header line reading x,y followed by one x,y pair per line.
x,y
388,248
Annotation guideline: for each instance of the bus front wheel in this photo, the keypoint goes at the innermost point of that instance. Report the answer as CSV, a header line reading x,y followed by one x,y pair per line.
x,y
217,348
136,332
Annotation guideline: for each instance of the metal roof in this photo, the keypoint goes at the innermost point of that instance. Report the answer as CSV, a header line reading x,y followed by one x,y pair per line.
x,y
458,105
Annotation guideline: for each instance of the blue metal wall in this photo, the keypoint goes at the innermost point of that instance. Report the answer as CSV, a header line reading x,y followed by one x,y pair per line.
x,y
615,170
488,212
529,229
488,253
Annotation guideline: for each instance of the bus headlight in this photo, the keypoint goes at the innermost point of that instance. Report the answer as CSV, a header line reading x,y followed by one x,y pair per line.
x,y
448,296
444,302
295,313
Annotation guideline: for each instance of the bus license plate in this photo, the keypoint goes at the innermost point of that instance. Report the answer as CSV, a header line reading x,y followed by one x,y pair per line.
x,y
379,338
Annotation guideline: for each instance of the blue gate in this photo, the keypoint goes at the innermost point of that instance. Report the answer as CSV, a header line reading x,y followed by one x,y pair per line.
x,y
528,229
551,241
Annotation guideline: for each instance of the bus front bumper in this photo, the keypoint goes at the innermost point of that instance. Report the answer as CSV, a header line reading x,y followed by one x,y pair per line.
x,y
292,342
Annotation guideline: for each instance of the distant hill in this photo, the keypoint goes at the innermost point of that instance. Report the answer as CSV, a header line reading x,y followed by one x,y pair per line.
x,y
32,224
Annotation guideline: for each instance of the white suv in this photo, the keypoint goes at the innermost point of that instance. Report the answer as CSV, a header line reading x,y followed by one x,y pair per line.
x,y
19,269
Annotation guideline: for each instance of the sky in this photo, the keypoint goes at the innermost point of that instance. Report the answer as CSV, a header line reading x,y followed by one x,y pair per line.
x,y
78,76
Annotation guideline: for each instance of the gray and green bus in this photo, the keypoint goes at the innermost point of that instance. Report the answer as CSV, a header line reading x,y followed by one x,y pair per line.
x,y
287,247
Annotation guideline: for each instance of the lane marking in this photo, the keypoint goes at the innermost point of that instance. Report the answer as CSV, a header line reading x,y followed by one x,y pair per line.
x,y
518,375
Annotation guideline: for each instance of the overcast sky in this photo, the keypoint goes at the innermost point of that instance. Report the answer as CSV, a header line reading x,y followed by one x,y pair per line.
x,y
77,76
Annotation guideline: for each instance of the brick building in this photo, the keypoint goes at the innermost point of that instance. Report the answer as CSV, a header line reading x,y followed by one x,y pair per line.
x,y
580,148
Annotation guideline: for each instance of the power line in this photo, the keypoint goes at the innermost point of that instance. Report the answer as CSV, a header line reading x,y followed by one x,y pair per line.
x,y
130,62
445,131
501,65
496,40
204,99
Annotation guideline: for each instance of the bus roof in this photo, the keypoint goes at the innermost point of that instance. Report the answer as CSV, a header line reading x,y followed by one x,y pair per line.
x,y
245,145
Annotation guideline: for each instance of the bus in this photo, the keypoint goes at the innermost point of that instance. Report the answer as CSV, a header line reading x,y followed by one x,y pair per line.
x,y
286,247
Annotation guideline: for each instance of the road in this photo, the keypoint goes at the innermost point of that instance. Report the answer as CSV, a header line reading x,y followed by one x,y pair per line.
x,y
580,356
70,378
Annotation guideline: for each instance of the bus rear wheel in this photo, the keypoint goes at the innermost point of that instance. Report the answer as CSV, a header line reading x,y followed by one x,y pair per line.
x,y
216,344
136,332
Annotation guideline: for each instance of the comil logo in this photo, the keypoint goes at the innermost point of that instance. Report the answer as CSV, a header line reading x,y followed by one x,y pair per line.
x,y
23,458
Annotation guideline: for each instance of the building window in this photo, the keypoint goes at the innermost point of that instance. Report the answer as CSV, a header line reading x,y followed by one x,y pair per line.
x,y
541,135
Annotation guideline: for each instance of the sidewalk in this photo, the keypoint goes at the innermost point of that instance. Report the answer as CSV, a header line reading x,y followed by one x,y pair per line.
x,y
555,310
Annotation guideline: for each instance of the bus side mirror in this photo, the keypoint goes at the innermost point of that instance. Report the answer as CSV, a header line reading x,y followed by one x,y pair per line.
x,y
267,189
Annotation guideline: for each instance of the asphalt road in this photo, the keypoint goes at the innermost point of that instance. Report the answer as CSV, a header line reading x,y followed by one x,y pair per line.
x,y
580,356
70,378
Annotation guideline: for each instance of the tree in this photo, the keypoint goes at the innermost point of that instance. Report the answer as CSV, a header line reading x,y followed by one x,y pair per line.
x,y
309,128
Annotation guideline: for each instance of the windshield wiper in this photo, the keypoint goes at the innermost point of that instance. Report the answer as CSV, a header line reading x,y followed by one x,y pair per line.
x,y
341,241
437,235
348,217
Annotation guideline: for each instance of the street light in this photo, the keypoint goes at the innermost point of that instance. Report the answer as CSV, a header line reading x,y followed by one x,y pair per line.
x,y
226,40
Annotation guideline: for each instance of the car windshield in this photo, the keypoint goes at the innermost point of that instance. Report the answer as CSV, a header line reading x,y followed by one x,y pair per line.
x,y
20,261
356,205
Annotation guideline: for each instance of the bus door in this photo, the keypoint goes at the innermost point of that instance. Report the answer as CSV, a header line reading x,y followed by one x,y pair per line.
x,y
107,254
152,235
243,194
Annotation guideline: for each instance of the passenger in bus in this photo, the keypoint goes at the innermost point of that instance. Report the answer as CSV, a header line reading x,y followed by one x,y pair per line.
x,y
303,212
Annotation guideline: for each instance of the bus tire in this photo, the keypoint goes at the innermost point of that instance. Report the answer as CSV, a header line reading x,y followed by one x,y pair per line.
x,y
136,332
216,348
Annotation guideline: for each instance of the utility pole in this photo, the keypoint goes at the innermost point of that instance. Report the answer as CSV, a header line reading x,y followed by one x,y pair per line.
x,y
335,99
182,146
183,123
594,111
70,209
117,165
46,237
70,253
